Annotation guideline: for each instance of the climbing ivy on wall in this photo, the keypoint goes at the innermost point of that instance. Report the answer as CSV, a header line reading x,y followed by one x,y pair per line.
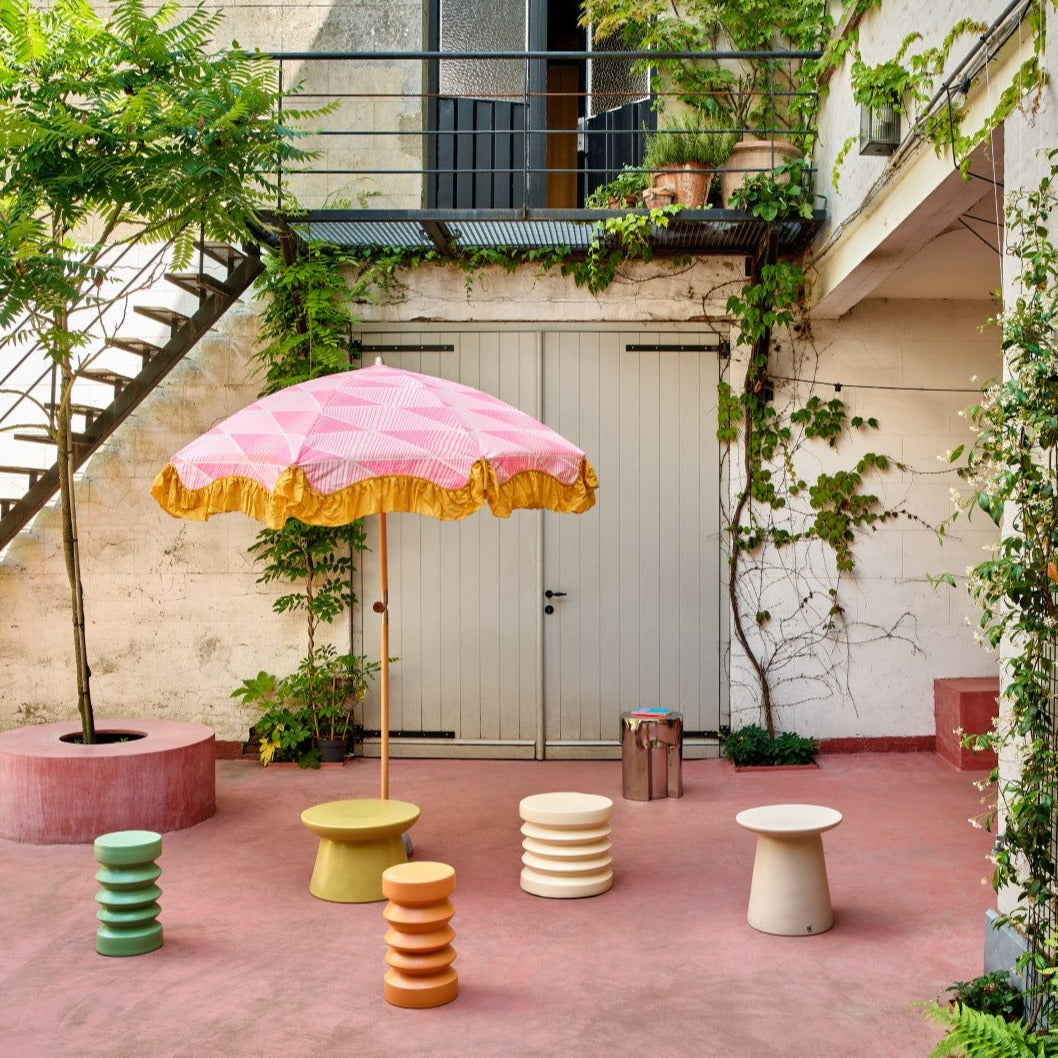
x,y
909,80
778,513
1012,476
306,332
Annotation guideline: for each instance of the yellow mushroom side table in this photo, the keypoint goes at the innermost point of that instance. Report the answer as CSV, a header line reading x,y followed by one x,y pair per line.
x,y
359,839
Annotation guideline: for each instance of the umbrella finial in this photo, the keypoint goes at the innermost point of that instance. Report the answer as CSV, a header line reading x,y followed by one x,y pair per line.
x,y
379,362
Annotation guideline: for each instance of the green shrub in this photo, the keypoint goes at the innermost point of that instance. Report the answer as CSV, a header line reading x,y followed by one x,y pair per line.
x,y
991,993
752,745
787,192
628,183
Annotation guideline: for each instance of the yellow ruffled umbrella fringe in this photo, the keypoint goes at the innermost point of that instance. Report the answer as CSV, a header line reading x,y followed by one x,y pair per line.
x,y
294,497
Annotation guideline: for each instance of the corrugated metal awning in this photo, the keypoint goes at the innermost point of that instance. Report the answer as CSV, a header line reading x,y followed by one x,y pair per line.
x,y
700,232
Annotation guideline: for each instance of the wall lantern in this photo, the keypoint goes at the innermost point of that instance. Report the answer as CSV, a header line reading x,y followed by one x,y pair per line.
x,y
879,129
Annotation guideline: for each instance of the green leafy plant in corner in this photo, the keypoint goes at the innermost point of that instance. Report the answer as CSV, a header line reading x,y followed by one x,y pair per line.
x,y
753,745
316,701
991,993
787,192
283,732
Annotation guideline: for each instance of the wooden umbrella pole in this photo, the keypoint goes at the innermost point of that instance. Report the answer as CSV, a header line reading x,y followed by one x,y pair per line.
x,y
383,680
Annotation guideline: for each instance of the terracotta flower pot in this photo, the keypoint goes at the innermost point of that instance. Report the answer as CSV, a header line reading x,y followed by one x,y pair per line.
x,y
690,183
749,158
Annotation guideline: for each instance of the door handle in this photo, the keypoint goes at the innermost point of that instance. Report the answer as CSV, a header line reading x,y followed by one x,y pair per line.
x,y
549,594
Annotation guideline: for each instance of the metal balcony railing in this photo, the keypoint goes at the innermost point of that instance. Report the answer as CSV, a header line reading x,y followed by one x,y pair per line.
x,y
505,148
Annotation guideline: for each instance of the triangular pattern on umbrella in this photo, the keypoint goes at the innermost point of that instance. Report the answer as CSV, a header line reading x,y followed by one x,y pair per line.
x,y
338,447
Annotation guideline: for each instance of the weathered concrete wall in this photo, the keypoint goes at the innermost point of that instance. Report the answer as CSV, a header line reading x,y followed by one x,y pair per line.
x,y
175,620
383,133
644,293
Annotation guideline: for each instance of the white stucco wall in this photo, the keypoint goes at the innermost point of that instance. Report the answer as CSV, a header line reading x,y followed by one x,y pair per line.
x,y
174,618
911,365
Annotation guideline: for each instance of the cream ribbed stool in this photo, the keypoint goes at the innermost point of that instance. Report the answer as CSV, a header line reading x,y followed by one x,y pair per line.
x,y
566,843
789,894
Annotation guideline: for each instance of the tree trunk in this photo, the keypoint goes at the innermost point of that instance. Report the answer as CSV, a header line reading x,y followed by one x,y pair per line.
x,y
754,391
71,550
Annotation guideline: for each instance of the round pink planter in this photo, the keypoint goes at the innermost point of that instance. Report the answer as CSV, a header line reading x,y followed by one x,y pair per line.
x,y
54,792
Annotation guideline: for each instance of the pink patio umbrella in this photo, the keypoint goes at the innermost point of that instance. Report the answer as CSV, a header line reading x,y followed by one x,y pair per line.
x,y
379,439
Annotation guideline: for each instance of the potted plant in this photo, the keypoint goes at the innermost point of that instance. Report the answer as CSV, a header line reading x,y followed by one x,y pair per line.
x,y
307,715
752,96
623,191
684,156
338,685
785,193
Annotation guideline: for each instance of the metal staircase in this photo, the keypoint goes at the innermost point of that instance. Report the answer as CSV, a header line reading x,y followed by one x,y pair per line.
x,y
27,483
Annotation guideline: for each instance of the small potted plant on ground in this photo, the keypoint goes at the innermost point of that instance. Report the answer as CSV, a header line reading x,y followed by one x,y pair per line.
x,y
340,682
684,156
307,714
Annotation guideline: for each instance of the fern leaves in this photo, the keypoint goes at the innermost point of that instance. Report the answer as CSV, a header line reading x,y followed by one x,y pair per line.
x,y
971,1034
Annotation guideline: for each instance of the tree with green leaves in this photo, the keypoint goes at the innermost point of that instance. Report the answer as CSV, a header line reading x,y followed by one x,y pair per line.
x,y
118,130
732,94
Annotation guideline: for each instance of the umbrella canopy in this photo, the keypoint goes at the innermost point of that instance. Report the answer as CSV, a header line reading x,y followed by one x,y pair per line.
x,y
378,439
372,441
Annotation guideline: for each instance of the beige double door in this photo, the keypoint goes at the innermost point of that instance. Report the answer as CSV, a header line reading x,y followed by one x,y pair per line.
x,y
489,663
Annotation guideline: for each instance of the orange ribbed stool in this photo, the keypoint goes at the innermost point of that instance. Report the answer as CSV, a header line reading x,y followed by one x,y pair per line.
x,y
420,952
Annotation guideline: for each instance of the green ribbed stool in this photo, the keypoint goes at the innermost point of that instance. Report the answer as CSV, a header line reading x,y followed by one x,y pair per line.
x,y
128,897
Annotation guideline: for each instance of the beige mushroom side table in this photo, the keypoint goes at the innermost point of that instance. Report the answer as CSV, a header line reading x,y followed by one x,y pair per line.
x,y
789,894
566,843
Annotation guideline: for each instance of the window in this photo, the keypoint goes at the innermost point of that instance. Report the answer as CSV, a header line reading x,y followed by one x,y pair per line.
x,y
508,133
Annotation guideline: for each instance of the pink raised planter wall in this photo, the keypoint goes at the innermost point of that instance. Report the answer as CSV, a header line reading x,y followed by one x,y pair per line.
x,y
969,704
54,792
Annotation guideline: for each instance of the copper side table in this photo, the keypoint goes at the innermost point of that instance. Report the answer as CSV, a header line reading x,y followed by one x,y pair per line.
x,y
651,756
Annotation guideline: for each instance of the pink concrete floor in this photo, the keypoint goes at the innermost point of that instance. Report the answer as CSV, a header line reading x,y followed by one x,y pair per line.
x,y
664,964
